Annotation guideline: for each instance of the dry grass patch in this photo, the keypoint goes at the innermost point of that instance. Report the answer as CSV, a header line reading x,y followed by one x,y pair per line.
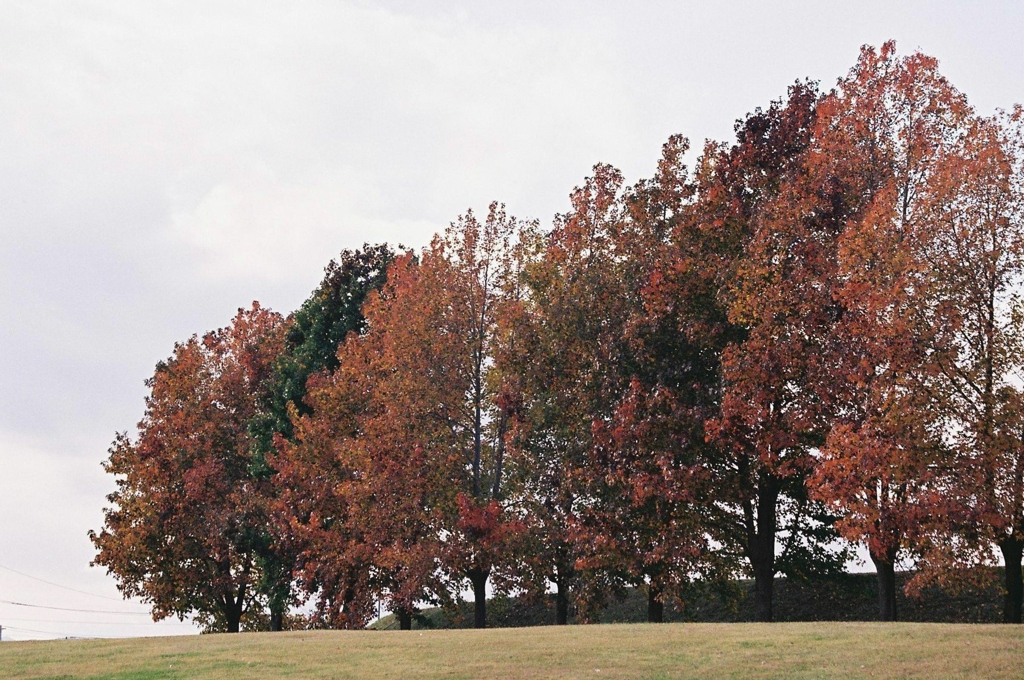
x,y
786,650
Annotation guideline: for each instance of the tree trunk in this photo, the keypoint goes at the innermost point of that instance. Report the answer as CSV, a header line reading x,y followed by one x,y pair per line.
x,y
478,577
404,619
761,549
655,607
276,620
764,588
233,617
561,604
1012,549
885,569
231,607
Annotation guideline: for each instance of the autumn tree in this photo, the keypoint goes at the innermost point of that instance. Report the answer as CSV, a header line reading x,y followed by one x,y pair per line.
x,y
183,530
881,139
412,419
977,259
571,294
318,515
377,483
766,257
359,477
606,426
471,274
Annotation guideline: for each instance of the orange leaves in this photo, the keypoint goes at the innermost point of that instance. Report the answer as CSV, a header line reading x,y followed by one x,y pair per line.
x,y
185,511
922,263
828,306
412,417
603,438
485,530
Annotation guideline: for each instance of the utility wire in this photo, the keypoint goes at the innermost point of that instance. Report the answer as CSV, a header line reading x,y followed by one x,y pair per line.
x,y
45,632
57,585
68,609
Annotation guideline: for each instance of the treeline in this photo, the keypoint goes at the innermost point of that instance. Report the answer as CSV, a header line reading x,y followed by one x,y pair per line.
x,y
809,342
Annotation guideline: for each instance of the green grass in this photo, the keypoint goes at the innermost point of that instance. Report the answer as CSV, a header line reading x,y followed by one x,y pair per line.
x,y
736,650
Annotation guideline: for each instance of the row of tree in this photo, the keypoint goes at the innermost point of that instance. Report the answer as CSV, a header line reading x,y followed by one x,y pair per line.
x,y
810,342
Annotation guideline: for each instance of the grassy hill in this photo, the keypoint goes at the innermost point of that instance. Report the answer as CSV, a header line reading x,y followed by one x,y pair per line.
x,y
847,597
790,650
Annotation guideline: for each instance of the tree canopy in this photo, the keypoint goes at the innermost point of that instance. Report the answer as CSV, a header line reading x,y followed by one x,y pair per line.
x,y
808,343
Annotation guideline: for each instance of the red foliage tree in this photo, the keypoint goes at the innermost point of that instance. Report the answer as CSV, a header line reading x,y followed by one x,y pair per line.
x,y
567,321
759,256
881,138
605,429
310,537
183,530
977,259
410,428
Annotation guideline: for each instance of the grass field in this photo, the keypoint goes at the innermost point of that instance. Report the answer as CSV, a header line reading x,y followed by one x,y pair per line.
x,y
736,650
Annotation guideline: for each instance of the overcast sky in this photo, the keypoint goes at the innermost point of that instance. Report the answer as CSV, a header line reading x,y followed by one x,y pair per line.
x,y
162,164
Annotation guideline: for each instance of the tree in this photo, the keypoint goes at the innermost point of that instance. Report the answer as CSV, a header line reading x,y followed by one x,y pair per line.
x,y
315,331
611,391
413,417
881,139
471,274
560,381
362,488
977,256
765,256
183,530
317,516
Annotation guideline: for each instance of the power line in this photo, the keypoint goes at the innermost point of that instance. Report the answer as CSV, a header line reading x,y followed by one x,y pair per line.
x,y
57,585
46,632
68,609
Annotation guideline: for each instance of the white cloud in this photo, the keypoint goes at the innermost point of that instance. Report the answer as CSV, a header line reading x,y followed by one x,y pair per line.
x,y
267,228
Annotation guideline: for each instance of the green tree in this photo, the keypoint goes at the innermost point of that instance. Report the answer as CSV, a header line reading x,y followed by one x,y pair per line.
x,y
315,332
